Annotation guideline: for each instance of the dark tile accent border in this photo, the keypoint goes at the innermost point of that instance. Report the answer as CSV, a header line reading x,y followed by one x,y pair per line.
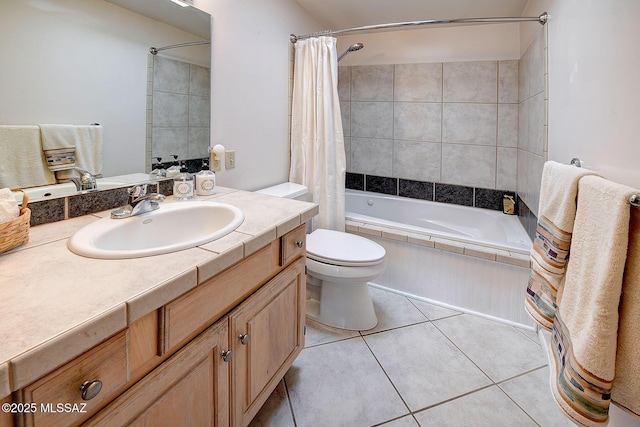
x,y
45,211
381,184
455,194
52,210
527,218
491,199
354,181
483,198
416,189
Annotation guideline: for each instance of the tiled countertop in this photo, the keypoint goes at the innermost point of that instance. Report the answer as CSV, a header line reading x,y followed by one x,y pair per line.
x,y
55,304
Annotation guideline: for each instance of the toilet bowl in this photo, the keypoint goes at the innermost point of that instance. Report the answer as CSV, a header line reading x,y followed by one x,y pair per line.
x,y
339,265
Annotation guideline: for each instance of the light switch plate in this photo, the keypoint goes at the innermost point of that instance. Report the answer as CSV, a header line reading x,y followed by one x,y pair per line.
x,y
229,159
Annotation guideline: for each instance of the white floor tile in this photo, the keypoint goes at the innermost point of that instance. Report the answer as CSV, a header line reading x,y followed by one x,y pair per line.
x,y
424,366
532,393
317,333
407,421
489,407
276,411
498,349
433,312
341,384
393,311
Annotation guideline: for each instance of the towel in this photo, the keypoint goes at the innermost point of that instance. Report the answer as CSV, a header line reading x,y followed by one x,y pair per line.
x,y
585,328
88,151
9,208
22,163
89,148
550,249
626,385
59,146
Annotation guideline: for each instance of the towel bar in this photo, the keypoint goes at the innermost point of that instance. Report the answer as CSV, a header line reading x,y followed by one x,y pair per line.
x,y
634,199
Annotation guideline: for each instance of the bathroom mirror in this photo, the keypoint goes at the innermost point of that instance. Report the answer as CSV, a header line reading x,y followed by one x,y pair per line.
x,y
88,62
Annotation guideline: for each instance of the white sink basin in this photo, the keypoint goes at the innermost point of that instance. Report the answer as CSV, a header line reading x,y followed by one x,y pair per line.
x,y
172,227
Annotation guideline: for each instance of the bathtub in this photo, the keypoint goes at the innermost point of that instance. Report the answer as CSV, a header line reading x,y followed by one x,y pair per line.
x,y
468,259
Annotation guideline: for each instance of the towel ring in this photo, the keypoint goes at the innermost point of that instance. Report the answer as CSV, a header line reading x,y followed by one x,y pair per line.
x,y
576,162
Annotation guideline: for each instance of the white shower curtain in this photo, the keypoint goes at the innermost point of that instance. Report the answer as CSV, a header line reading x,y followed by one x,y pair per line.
x,y
317,142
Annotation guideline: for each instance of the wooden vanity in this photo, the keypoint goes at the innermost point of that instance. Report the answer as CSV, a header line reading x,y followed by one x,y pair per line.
x,y
210,356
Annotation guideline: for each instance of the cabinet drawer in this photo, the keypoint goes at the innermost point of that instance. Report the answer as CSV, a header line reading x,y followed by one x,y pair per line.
x,y
191,313
58,396
293,245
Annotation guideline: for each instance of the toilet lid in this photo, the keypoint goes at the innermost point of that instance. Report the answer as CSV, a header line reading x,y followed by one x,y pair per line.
x,y
338,248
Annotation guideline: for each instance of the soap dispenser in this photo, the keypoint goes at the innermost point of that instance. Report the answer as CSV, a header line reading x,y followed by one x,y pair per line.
x,y
183,185
205,180
158,170
174,169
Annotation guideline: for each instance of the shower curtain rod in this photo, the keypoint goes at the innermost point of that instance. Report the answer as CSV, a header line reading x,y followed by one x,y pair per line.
x,y
155,50
542,19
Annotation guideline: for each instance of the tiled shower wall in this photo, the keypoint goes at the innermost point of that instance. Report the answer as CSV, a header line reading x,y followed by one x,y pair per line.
x,y
178,109
450,123
533,125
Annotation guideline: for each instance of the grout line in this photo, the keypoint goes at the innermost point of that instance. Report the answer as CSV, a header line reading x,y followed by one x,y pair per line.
x,y
286,392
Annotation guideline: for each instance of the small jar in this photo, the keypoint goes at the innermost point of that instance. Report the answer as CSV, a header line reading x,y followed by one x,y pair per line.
x,y
205,181
183,185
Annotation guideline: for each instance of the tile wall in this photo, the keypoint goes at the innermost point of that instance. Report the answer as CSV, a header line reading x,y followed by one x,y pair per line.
x,y
532,126
178,109
446,123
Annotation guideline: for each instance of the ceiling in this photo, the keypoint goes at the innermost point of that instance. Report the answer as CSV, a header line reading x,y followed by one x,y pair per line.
x,y
340,14
189,19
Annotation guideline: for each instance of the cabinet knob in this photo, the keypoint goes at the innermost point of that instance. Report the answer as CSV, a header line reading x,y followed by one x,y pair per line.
x,y
244,339
226,355
299,243
90,389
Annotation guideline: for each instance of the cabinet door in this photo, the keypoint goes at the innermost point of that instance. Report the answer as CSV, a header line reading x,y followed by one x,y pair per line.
x,y
267,333
191,388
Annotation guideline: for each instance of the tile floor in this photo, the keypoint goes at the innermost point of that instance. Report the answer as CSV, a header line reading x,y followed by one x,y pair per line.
x,y
423,365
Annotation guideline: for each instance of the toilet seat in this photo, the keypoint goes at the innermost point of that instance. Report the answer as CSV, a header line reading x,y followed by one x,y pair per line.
x,y
343,249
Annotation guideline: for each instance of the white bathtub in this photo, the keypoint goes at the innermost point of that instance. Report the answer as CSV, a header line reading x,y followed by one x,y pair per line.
x,y
468,259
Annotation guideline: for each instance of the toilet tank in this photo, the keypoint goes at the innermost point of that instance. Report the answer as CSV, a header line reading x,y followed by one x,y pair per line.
x,y
288,190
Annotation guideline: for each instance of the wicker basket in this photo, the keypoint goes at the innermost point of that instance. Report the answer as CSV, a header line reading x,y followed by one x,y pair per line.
x,y
16,232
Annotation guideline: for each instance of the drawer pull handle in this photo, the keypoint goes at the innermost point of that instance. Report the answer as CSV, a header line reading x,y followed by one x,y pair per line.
x,y
299,243
90,389
226,355
244,339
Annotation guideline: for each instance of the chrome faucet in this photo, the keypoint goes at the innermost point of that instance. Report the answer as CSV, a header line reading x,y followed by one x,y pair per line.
x,y
140,203
85,182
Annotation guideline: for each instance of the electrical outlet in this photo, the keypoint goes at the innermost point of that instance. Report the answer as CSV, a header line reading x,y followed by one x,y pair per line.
x,y
229,159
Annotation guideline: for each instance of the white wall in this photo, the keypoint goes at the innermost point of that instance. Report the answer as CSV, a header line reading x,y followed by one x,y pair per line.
x,y
250,80
69,61
462,43
594,84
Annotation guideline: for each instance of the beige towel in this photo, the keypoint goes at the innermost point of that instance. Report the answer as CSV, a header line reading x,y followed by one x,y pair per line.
x,y
585,328
626,385
550,249
59,146
22,163
89,148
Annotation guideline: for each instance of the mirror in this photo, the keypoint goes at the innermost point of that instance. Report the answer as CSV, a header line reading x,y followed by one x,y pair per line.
x,y
88,62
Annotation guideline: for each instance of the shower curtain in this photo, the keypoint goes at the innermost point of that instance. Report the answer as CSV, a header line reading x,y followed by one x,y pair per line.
x,y
317,142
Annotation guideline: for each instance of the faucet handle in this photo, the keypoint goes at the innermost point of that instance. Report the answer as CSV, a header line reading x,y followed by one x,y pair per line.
x,y
137,191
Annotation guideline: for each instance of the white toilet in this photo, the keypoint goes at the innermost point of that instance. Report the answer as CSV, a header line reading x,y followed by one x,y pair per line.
x,y
339,265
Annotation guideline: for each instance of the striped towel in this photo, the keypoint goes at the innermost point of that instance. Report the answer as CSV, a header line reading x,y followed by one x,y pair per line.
x,y
550,250
585,328
59,146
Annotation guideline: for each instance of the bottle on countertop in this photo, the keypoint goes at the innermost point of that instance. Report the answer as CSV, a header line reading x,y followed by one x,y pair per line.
x,y
183,185
158,170
205,180
174,169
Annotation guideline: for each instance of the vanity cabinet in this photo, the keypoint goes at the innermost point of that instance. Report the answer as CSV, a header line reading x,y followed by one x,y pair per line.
x,y
267,334
211,357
